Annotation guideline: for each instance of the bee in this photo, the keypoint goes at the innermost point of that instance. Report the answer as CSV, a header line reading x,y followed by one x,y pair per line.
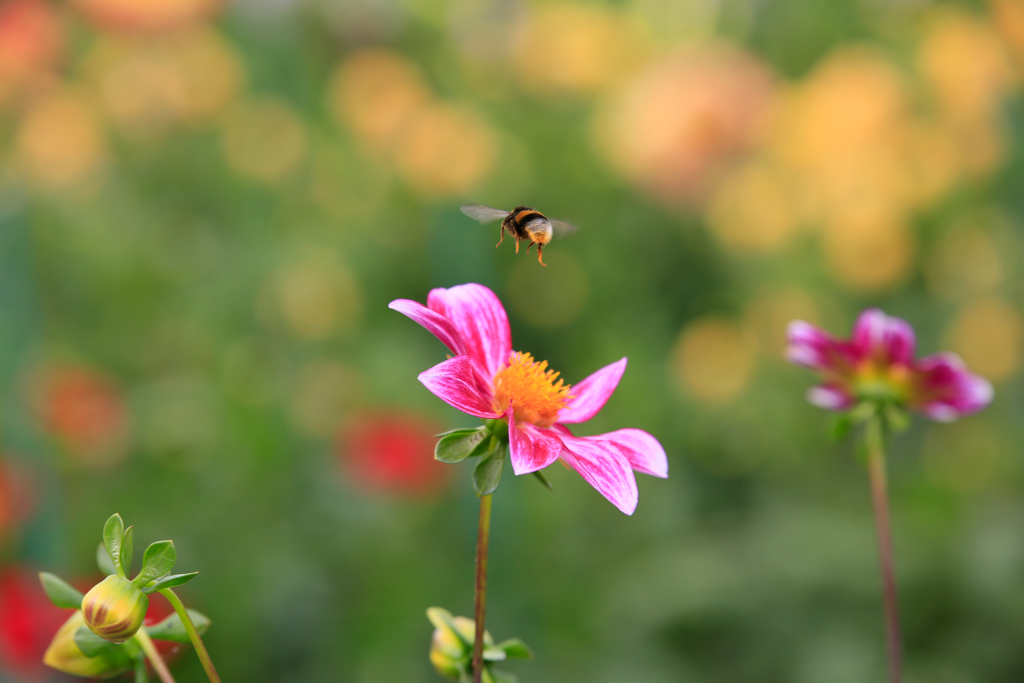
x,y
523,223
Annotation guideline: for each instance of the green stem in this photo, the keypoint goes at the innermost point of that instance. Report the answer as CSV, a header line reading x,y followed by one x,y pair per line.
x,y
140,671
154,657
193,634
482,539
875,438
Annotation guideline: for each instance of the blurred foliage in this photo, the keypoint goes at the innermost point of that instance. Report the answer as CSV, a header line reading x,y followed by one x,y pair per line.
x,y
206,207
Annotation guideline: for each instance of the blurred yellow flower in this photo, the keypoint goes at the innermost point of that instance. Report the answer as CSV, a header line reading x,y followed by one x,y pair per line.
x,y
714,359
989,334
374,92
147,15
60,142
314,295
573,47
868,251
263,138
674,127
754,208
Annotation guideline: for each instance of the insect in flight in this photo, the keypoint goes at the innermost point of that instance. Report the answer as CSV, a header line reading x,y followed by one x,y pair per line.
x,y
523,223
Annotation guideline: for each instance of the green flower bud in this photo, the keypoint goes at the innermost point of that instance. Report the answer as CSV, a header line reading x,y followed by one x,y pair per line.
x,y
64,655
114,609
448,653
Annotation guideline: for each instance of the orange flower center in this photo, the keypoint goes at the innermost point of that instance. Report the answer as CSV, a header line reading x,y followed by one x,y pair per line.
x,y
531,389
885,382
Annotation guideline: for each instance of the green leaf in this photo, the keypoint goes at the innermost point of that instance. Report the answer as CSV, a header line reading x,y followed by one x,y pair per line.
x,y
60,593
487,474
898,420
172,628
103,560
169,582
113,533
458,444
140,671
127,548
515,649
500,676
157,562
494,654
91,644
442,619
542,479
840,426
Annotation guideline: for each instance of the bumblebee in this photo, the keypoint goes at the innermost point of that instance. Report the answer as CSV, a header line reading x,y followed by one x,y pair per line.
x,y
523,223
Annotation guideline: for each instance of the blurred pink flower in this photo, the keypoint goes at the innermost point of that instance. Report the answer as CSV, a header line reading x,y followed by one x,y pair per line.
x,y
392,452
490,381
878,364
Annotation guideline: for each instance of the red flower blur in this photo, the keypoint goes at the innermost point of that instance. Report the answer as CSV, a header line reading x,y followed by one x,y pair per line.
x,y
392,453
27,623
85,411
16,493
31,42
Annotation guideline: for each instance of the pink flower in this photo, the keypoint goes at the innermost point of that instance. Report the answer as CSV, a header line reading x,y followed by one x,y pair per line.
x,y
487,379
878,364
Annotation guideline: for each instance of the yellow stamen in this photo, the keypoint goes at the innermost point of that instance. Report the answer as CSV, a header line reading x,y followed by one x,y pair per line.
x,y
535,395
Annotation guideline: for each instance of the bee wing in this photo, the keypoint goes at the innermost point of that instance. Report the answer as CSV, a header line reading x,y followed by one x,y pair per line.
x,y
563,229
484,214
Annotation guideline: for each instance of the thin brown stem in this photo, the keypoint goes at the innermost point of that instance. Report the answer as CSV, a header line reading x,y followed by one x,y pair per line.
x,y
154,657
880,497
483,536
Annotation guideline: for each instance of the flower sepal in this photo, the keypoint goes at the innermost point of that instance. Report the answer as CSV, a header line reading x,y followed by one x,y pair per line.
x,y
451,649
487,474
458,444
66,654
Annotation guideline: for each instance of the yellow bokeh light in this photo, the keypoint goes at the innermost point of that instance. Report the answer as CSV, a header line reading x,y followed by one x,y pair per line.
x,y
548,297
321,395
574,47
375,92
680,122
314,295
263,138
60,142
714,360
967,261
445,149
868,253
768,315
988,333
147,15
1008,17
754,208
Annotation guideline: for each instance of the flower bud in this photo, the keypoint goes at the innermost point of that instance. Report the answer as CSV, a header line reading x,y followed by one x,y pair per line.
x,y
64,655
449,655
114,609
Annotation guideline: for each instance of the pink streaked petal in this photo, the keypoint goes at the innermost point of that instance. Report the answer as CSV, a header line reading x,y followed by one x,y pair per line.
x,y
830,397
453,381
944,389
604,467
441,327
478,315
642,450
814,348
886,337
590,395
530,448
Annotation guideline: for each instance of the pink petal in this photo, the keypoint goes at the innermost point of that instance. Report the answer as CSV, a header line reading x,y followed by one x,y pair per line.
x,y
642,450
478,316
454,382
605,468
816,349
531,449
946,390
441,327
830,397
884,337
590,395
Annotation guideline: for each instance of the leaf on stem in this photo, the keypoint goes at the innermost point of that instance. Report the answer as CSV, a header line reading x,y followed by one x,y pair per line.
x,y
127,548
113,534
515,649
487,474
157,562
91,644
169,582
458,444
542,479
173,628
103,560
60,593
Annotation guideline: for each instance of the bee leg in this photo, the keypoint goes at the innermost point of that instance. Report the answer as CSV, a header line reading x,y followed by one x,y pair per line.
x,y
538,257
502,229
517,245
528,247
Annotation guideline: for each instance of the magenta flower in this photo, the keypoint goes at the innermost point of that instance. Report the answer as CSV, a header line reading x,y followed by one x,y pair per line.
x,y
487,379
878,365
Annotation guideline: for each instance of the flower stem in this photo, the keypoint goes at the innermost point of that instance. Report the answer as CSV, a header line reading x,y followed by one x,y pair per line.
x,y
140,671
154,657
193,634
482,539
875,438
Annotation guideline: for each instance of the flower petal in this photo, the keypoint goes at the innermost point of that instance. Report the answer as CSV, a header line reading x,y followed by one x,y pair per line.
x,y
944,389
830,397
530,448
590,395
479,317
885,337
604,467
816,349
441,327
642,450
454,382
